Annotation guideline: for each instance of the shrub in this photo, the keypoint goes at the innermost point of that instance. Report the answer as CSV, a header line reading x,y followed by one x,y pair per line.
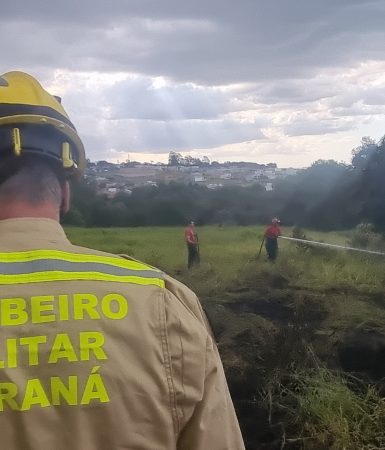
x,y
364,236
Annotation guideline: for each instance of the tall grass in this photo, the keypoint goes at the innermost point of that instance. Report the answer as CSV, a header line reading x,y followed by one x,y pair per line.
x,y
335,412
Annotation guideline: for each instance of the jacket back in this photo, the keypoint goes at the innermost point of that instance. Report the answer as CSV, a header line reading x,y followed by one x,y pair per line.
x,y
102,352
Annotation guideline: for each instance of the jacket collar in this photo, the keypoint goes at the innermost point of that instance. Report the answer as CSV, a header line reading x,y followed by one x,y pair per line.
x,y
31,233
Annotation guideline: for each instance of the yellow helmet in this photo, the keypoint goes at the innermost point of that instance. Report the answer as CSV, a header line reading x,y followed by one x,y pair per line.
x,y
33,121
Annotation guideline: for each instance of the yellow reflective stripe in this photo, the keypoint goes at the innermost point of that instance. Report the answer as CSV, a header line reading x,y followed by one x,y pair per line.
x,y
38,277
33,255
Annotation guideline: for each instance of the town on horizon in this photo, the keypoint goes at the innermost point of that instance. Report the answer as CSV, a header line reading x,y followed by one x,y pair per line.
x,y
112,178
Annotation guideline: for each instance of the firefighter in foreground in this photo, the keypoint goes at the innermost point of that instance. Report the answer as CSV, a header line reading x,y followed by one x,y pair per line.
x,y
97,352
191,238
271,239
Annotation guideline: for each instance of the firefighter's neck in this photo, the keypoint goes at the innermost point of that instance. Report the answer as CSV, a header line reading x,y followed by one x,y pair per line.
x,y
19,209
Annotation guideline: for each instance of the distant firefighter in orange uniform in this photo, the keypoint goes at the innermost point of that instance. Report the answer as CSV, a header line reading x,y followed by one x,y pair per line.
x,y
192,243
271,239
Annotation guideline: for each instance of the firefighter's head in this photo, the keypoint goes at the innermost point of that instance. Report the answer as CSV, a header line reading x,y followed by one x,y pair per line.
x,y
275,221
40,149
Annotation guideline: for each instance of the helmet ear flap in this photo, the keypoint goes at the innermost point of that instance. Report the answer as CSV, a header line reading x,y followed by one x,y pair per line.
x,y
3,82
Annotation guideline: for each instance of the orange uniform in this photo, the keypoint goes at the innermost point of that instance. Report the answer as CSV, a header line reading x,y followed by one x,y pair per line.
x,y
273,231
191,235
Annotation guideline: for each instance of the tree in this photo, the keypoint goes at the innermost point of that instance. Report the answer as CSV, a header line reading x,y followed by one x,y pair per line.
x,y
175,159
362,154
371,186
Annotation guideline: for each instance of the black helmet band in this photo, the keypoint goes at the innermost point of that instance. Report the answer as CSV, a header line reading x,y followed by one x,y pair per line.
x,y
43,140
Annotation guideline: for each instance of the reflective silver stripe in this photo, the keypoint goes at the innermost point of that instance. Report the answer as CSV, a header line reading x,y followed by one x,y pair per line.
x,y
48,265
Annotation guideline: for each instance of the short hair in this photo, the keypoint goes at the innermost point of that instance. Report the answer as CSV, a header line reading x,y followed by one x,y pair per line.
x,y
30,179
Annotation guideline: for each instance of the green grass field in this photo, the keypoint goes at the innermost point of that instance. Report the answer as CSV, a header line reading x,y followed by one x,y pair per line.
x,y
279,327
226,251
166,247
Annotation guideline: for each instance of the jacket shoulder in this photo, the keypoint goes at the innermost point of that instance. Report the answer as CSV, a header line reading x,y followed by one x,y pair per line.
x,y
91,251
172,288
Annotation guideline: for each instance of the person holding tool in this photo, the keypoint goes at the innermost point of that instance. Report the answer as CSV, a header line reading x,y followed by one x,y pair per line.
x,y
271,235
191,238
97,351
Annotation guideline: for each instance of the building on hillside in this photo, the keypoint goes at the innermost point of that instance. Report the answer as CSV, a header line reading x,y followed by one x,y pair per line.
x,y
270,174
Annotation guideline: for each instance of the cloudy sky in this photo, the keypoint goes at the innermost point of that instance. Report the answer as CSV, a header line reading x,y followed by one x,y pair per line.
x,y
285,81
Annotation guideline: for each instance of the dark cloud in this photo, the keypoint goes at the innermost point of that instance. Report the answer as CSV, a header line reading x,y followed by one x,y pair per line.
x,y
223,65
374,97
212,42
295,91
160,137
317,127
140,99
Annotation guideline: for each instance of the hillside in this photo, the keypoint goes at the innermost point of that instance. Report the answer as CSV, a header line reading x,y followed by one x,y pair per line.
x,y
302,341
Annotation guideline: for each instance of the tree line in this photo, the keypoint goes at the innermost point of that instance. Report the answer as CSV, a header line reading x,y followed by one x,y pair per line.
x,y
327,195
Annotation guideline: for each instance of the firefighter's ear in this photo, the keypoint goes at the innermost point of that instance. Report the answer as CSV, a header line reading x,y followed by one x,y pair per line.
x,y
66,197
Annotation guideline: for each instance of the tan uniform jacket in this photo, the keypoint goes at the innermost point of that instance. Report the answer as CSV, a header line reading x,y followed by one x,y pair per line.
x,y
99,352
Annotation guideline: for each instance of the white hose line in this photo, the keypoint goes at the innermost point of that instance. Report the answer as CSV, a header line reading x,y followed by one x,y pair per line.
x,y
340,247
